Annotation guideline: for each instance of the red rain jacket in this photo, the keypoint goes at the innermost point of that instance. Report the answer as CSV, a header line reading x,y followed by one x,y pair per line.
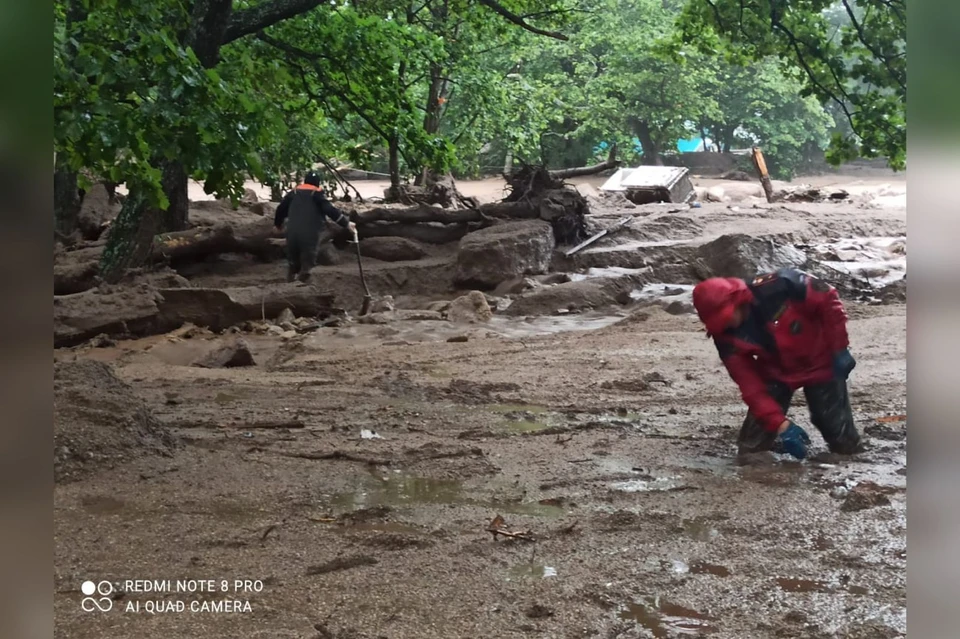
x,y
795,325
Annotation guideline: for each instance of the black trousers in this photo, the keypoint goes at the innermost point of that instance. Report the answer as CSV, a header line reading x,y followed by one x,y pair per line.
x,y
301,257
830,412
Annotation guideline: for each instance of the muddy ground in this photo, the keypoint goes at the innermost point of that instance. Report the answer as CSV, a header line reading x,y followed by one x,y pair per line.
x,y
355,469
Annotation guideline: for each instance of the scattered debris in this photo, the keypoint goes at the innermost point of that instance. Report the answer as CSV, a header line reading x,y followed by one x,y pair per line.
x,y
497,525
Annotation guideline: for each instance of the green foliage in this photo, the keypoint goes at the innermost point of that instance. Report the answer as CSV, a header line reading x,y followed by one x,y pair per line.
x,y
851,53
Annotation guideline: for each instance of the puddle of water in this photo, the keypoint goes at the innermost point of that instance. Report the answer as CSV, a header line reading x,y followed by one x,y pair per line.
x,y
700,529
532,571
647,485
405,490
522,418
802,585
665,619
517,408
101,504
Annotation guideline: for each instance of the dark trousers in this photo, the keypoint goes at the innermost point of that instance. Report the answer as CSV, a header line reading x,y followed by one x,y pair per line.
x,y
301,257
830,412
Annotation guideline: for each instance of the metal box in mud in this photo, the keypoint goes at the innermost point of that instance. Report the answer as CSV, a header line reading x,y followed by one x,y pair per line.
x,y
646,184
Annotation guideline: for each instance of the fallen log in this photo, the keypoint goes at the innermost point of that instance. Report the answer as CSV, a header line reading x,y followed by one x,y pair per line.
x,y
143,310
218,309
416,214
257,238
427,233
607,165
524,210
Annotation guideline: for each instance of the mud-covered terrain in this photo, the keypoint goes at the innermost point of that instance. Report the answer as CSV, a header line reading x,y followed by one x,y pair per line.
x,y
357,468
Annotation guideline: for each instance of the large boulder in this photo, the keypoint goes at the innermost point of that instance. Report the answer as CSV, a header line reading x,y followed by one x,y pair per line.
x,y
234,353
575,296
740,255
391,249
470,309
97,209
98,421
489,256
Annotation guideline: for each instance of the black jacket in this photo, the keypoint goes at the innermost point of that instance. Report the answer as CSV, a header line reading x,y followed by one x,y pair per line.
x,y
304,209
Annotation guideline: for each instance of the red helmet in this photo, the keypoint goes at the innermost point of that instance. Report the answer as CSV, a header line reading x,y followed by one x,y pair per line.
x,y
715,300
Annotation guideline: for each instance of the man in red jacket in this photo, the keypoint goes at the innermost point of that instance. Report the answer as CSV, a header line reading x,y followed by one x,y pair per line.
x,y
777,333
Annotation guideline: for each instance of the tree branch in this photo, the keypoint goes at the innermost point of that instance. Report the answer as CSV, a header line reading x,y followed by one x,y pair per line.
x,y
260,16
871,48
499,9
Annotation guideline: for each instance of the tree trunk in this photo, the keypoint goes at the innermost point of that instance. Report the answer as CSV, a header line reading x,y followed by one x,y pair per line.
x,y
393,149
131,236
651,151
66,200
175,181
508,163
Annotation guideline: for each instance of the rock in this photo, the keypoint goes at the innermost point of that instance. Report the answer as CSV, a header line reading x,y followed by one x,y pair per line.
x,y
288,334
98,420
96,210
679,308
249,198
740,176
863,497
574,296
286,316
275,330
714,194
894,292
515,286
391,249
744,256
505,251
234,353
441,306
470,309
387,317
458,339
553,278
382,304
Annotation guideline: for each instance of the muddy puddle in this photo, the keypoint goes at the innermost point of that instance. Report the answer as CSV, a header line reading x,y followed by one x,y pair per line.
x,y
399,490
666,619
523,418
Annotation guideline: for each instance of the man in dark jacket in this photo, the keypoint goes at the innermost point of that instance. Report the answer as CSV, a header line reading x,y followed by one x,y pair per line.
x,y
304,210
777,333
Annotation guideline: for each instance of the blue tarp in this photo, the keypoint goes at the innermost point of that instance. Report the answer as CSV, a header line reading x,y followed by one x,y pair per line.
x,y
683,146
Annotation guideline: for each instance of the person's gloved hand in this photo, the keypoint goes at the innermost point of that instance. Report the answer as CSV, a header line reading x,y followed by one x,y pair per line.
x,y
843,363
794,441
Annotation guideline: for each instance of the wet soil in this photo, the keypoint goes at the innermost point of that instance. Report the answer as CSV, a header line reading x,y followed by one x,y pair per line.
x,y
606,444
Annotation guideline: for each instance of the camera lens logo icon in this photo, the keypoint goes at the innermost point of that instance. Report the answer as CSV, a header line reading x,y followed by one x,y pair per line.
x,y
103,602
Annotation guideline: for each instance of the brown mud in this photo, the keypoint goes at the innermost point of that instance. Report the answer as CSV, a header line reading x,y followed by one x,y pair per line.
x,y
355,470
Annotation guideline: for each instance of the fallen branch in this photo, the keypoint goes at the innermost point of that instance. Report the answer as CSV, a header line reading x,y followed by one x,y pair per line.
x,y
341,455
609,164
